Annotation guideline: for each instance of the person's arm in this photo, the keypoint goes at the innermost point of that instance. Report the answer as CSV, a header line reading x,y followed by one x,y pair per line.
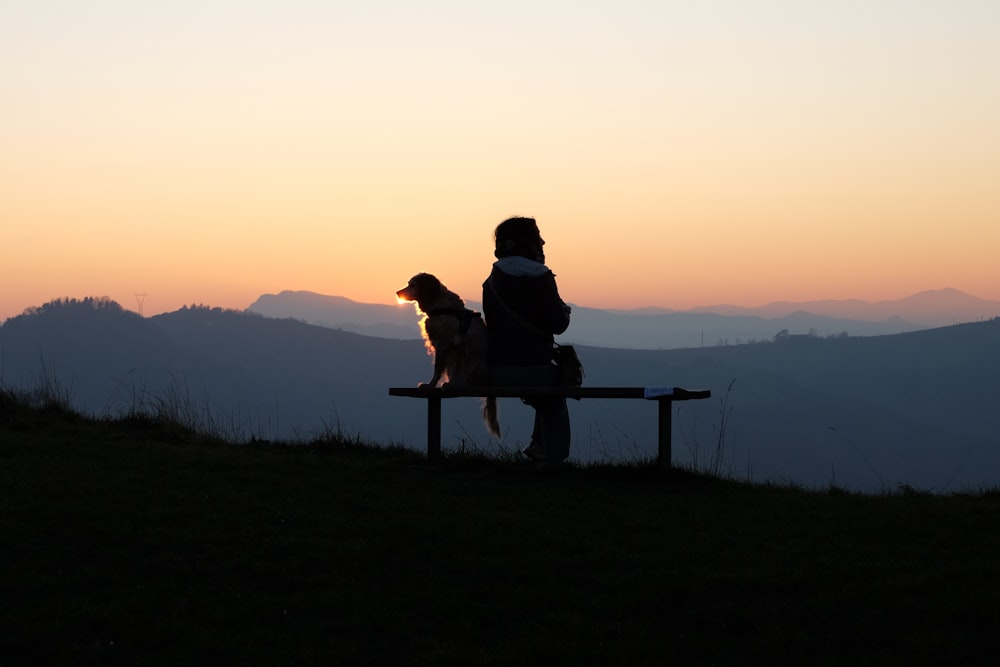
x,y
554,310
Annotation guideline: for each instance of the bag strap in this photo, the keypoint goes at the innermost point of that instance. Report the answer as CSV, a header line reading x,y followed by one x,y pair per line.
x,y
464,315
517,317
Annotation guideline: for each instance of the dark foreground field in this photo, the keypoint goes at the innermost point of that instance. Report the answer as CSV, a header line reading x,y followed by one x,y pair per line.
x,y
135,542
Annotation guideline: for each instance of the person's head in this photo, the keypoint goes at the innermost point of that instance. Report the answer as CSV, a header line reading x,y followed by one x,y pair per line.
x,y
519,236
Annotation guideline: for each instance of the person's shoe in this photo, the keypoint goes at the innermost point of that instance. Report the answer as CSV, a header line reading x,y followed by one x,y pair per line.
x,y
534,453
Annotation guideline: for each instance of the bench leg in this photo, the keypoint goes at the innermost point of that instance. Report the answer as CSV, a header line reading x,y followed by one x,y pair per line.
x,y
665,425
434,428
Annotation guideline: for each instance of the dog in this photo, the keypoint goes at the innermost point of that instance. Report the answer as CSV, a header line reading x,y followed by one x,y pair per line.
x,y
455,336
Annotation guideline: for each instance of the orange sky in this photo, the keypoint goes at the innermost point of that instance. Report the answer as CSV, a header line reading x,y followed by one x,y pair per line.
x,y
674,155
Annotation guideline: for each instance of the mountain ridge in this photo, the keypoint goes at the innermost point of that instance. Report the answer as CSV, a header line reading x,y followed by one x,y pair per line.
x,y
952,306
914,408
657,328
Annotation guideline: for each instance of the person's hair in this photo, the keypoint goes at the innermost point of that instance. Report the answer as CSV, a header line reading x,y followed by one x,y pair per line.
x,y
517,236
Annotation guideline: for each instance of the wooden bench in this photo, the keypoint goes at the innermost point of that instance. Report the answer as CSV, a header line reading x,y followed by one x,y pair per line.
x,y
664,397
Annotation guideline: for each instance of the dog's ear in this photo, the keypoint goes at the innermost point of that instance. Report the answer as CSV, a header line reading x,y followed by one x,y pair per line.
x,y
426,284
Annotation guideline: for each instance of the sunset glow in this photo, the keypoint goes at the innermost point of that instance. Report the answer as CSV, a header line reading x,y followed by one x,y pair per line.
x,y
675,154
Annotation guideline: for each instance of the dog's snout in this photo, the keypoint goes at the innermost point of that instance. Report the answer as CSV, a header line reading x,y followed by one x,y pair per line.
x,y
405,294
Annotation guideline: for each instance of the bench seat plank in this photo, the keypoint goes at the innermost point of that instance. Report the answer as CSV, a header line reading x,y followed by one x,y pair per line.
x,y
678,394
664,396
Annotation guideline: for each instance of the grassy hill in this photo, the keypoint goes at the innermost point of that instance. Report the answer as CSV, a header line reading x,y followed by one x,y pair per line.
x,y
862,413
136,541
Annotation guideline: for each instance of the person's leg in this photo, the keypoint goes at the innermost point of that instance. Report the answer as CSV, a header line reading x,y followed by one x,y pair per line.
x,y
550,435
552,419
536,448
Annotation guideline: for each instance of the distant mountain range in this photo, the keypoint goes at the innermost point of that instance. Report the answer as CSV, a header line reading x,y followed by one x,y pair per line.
x,y
864,412
657,328
925,309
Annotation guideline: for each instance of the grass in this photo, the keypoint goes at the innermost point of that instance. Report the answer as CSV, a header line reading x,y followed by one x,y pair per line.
x,y
137,541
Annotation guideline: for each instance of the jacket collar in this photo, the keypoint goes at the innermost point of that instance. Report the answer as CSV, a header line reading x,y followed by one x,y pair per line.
x,y
515,265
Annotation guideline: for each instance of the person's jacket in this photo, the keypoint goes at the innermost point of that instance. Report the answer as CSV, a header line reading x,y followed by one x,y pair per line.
x,y
523,337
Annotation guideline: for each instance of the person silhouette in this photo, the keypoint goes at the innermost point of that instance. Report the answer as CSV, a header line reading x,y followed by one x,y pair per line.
x,y
523,313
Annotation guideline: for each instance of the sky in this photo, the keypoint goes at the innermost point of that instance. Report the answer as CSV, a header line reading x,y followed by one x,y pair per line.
x,y
675,153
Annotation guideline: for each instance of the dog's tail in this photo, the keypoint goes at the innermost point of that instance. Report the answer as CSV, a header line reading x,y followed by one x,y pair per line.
x,y
490,415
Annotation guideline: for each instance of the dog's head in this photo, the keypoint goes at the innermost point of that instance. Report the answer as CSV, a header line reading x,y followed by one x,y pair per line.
x,y
423,288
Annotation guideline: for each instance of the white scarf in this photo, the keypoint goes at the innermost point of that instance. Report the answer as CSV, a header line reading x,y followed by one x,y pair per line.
x,y
515,265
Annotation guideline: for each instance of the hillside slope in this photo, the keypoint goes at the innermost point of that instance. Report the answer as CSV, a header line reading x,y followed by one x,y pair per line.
x,y
135,542
869,413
